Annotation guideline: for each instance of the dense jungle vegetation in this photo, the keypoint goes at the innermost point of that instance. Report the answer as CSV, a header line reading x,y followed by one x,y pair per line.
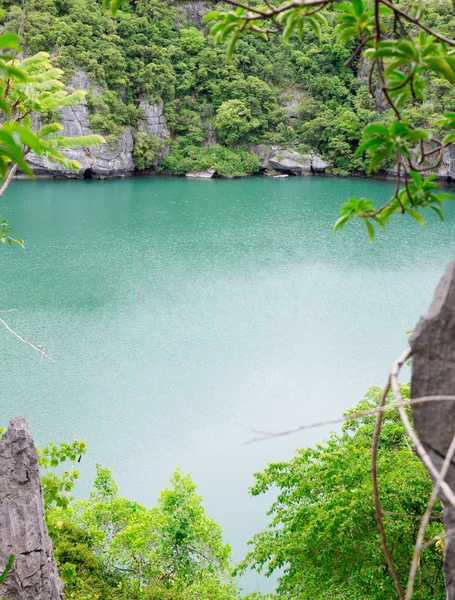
x,y
217,109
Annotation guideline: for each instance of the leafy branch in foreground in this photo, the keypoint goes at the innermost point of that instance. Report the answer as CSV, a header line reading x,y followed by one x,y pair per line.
x,y
30,88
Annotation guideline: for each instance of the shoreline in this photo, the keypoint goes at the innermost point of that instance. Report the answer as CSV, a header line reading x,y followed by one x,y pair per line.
x,y
55,176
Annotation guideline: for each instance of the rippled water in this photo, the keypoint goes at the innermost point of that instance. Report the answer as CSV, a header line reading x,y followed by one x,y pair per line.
x,y
181,312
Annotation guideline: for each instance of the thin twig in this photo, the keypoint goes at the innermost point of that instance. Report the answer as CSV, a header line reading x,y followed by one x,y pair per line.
x,y
403,516
25,341
274,11
417,22
358,50
265,435
374,476
8,180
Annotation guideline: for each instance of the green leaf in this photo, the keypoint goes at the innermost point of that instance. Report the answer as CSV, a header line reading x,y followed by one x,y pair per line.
x,y
438,211
375,129
339,224
370,229
8,567
416,177
232,44
415,215
449,139
9,40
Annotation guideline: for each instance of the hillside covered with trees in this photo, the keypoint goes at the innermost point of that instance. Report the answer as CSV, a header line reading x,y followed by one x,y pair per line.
x,y
297,94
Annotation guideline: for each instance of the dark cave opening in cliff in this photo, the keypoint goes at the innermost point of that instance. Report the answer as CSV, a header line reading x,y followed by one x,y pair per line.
x,y
88,174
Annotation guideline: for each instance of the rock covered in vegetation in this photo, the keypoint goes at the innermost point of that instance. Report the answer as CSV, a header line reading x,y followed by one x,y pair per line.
x,y
445,171
23,530
279,159
113,159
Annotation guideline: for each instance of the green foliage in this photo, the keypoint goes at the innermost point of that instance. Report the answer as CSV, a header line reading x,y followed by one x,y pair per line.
x,y
417,194
227,162
40,90
323,534
57,488
83,572
147,150
7,568
172,550
148,52
406,59
234,122
5,238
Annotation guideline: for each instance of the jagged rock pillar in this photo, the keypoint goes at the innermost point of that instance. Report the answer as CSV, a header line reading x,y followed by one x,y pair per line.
x,y
433,373
23,530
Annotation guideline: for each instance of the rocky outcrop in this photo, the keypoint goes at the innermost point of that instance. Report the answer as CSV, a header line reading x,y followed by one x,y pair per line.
x,y
433,374
154,121
291,101
209,173
445,171
113,159
23,530
194,11
278,159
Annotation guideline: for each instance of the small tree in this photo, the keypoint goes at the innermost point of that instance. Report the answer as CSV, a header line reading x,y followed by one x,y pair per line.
x,y
323,533
234,122
173,550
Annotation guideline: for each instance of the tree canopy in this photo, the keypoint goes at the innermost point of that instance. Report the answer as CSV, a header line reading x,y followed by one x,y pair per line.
x,y
323,533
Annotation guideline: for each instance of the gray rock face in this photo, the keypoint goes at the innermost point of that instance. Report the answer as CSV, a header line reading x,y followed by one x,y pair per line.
x,y
23,531
291,102
154,122
207,174
288,161
194,11
107,160
445,171
433,373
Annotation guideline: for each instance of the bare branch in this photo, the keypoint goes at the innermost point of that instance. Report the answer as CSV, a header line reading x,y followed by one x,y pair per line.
x,y
424,456
374,477
417,22
25,341
255,14
403,516
265,435
8,180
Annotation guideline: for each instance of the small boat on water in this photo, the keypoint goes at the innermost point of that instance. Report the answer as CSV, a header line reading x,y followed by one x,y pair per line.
x,y
280,176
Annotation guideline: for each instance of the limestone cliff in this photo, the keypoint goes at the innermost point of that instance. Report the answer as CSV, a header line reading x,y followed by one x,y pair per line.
x,y
108,160
276,158
23,530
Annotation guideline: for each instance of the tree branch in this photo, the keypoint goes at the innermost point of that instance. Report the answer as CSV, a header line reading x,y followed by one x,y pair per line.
x,y
25,341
